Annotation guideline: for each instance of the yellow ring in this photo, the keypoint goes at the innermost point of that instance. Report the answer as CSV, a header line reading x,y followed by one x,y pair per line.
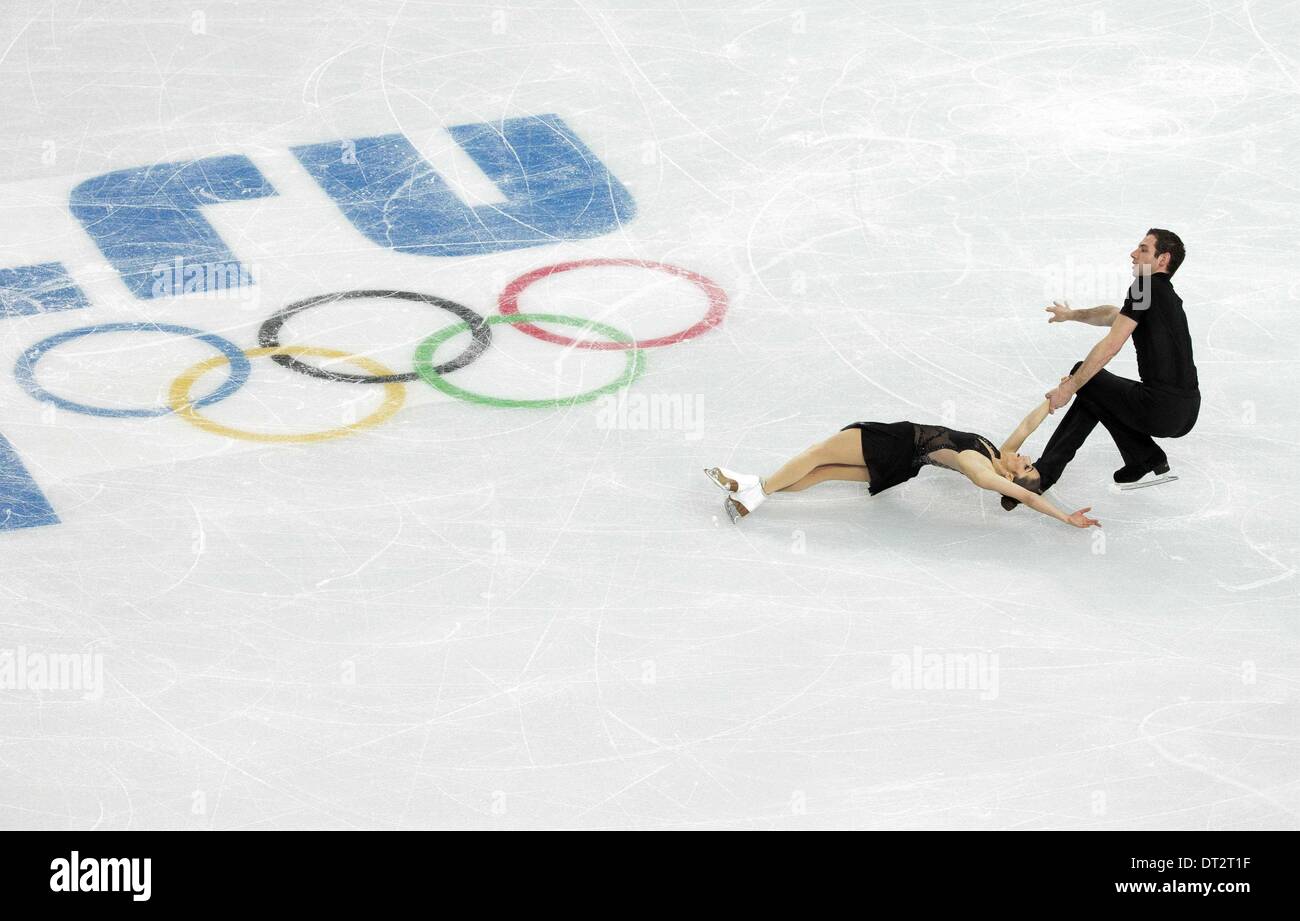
x,y
179,396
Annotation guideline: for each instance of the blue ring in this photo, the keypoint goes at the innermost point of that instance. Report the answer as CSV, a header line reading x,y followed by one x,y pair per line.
x,y
25,370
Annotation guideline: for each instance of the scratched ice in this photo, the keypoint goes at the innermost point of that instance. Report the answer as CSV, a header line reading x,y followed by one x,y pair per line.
x,y
465,614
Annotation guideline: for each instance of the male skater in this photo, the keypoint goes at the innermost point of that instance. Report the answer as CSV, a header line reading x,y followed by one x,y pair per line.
x,y
1166,401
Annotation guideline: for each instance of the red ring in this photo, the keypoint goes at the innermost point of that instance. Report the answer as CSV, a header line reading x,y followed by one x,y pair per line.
x,y
509,304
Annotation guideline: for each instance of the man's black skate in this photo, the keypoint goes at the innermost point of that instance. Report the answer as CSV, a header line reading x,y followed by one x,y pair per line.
x,y
1138,476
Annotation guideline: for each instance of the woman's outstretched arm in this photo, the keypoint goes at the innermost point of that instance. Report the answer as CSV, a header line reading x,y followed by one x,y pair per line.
x,y
987,479
1026,428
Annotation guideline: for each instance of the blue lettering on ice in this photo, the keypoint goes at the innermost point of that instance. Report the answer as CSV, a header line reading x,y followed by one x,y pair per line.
x,y
147,222
42,288
22,504
555,188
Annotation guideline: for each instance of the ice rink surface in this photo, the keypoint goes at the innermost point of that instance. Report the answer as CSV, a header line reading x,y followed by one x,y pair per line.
x,y
482,616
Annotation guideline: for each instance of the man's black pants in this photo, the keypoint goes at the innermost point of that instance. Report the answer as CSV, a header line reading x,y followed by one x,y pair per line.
x,y
1131,411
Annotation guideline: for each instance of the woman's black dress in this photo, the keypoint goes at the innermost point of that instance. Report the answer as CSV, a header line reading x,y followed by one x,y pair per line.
x,y
896,451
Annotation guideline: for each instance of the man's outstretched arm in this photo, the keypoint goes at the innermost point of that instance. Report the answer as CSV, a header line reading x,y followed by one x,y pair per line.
x,y
1093,316
1101,353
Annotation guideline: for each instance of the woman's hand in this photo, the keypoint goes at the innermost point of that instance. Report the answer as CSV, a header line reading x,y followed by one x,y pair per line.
x,y
1060,312
1059,397
1080,520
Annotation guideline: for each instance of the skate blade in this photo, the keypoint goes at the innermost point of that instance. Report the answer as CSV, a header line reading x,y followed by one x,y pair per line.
x,y
1143,484
733,510
717,479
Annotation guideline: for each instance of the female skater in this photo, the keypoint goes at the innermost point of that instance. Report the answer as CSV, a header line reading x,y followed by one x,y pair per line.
x,y
886,454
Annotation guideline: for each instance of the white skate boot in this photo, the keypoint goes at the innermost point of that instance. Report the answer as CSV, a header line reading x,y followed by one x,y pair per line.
x,y
744,501
729,479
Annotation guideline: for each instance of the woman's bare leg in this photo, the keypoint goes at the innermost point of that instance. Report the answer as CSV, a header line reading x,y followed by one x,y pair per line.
x,y
841,449
826,472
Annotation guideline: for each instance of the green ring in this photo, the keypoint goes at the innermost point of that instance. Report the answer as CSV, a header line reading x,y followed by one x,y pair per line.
x,y
424,361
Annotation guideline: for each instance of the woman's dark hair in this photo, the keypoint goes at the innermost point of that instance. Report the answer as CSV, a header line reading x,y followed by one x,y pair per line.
x,y
1033,483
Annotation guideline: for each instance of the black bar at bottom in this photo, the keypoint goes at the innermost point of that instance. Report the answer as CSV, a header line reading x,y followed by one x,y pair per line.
x,y
331,871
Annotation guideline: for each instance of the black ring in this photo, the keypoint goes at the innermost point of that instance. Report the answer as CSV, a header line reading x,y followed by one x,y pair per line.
x,y
269,336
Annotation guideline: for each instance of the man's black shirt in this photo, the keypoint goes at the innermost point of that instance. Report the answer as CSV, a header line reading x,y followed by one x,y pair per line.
x,y
1163,344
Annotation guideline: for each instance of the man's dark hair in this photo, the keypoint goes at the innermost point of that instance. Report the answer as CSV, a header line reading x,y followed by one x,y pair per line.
x,y
1167,242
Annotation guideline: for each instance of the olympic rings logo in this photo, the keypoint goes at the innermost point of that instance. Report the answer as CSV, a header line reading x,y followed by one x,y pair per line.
x,y
239,367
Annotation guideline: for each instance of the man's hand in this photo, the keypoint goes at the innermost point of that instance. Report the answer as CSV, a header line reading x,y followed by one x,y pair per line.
x,y
1060,312
1059,395
1080,520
